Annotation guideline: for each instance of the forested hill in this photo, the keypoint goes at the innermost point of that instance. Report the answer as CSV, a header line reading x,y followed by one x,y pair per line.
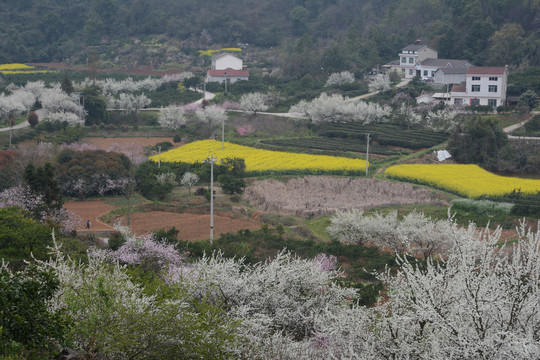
x,y
338,34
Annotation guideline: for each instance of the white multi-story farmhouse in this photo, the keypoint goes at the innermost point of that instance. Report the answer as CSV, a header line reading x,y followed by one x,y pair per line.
x,y
226,67
422,61
483,86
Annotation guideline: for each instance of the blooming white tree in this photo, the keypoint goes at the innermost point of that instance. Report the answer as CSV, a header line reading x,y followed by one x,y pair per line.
x,y
211,114
280,296
442,120
171,118
367,112
406,114
114,87
189,179
10,105
59,106
335,108
379,82
253,102
415,234
166,178
336,79
129,103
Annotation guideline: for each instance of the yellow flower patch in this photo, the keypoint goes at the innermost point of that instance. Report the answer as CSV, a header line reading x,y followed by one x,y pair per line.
x,y
469,180
261,160
15,67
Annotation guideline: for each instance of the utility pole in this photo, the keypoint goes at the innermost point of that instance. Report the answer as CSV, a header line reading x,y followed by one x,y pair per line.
x,y
223,134
225,82
204,89
367,155
212,159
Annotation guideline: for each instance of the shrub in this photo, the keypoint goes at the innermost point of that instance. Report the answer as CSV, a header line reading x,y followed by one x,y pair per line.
x,y
231,184
165,145
33,119
116,240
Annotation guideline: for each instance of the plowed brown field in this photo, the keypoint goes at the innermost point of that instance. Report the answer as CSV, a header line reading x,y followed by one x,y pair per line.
x,y
191,227
105,143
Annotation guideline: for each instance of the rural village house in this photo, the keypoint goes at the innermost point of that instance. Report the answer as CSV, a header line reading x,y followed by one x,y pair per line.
x,y
226,67
422,61
483,86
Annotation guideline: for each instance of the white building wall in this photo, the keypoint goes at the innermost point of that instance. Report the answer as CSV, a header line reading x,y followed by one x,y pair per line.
x,y
484,94
227,61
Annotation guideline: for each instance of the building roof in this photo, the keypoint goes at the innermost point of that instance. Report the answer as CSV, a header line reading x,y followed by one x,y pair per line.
x,y
415,47
222,54
453,70
441,95
459,88
486,70
445,63
228,72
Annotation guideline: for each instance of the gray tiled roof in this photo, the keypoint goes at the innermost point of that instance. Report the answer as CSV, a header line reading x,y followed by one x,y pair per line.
x,y
443,63
414,47
454,70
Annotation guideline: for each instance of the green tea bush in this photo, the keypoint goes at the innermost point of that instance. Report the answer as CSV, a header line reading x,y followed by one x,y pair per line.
x,y
483,207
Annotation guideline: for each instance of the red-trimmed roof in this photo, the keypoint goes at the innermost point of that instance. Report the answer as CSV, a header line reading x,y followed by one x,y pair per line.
x,y
459,88
486,70
229,71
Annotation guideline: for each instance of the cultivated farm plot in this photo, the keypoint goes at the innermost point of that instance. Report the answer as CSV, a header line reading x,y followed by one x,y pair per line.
x,y
323,195
468,180
334,144
190,227
384,134
260,161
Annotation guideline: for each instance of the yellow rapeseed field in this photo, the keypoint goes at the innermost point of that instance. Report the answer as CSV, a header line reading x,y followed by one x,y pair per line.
x,y
469,180
260,160
212,52
15,67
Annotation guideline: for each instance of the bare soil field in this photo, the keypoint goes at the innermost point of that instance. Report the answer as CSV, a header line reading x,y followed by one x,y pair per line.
x,y
90,210
105,143
191,227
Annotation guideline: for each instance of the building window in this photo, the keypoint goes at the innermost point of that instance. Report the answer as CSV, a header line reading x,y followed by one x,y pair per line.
x,y
475,102
425,72
411,60
410,71
403,72
475,88
458,101
476,78
492,102
403,59
492,88
493,78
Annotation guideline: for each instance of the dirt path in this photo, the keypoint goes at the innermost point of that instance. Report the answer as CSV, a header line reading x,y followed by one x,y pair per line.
x,y
90,210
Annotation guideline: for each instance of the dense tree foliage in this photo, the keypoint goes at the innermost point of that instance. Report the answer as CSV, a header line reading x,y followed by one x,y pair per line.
x,y
328,36
92,172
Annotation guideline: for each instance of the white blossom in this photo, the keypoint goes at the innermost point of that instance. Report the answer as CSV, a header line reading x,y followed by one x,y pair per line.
x,y
336,79
379,82
171,118
253,102
211,114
